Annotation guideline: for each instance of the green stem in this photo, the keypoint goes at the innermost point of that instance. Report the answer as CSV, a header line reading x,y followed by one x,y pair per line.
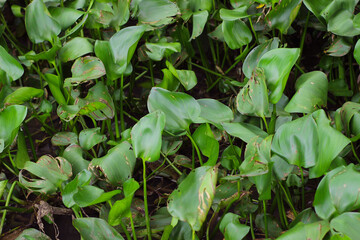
x,y
193,234
151,73
6,205
212,72
288,200
265,220
253,30
354,152
302,189
132,227
266,125
188,134
252,227
147,218
171,164
128,237
121,105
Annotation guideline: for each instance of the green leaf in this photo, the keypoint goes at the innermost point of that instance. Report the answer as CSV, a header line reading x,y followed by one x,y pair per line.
x,y
230,157
209,146
236,34
253,97
82,179
85,69
213,111
180,109
252,59
347,224
10,65
121,208
10,121
118,164
244,131
22,155
340,47
123,45
40,26
103,51
121,13
23,94
234,14
199,21
90,137
192,200
277,64
75,48
65,16
51,171
146,136
64,138
55,86
159,50
90,195
74,155
95,229
357,52
311,93
2,187
32,234
301,231
232,228
297,142
157,12
186,77
169,81
284,14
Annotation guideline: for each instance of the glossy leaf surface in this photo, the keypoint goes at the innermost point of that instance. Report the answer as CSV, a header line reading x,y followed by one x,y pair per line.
x,y
232,228
90,137
236,34
89,229
10,65
75,48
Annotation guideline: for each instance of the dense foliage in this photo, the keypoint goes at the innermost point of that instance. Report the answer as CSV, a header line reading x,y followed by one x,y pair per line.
x,y
187,119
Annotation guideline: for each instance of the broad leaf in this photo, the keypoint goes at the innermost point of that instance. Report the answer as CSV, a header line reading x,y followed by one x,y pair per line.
x,y
186,77
90,195
234,14
277,65
23,94
301,231
347,224
159,50
244,131
90,137
252,59
283,14
22,155
311,93
340,47
32,233
75,48
157,12
40,26
146,136
51,171
82,179
10,65
118,164
199,21
209,146
123,45
232,228
95,229
121,208
10,121
85,69
213,111
253,98
180,109
236,34
64,138
103,51
192,200
65,16
74,155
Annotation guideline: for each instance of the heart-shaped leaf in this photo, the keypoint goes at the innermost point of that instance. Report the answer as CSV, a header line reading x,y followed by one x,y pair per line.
x,y
159,50
198,188
65,16
232,228
90,137
74,155
180,109
213,111
347,224
64,138
236,34
146,136
10,65
157,12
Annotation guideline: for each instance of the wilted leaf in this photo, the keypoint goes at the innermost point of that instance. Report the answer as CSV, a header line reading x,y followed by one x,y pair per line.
x,y
192,200
64,138
340,47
